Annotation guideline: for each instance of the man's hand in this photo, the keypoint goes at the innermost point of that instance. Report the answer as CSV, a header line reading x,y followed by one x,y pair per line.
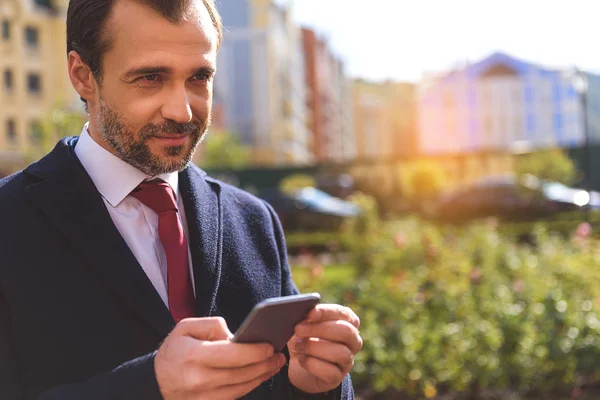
x,y
323,348
199,361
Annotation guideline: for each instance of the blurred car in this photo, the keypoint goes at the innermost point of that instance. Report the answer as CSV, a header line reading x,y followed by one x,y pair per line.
x,y
309,209
513,200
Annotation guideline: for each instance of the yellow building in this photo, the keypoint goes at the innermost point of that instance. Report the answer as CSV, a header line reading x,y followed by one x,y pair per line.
x,y
33,73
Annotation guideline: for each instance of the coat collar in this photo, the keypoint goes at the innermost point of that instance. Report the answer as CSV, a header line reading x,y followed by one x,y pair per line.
x,y
203,208
66,195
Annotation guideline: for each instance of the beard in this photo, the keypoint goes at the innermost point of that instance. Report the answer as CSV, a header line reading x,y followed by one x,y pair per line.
x,y
134,148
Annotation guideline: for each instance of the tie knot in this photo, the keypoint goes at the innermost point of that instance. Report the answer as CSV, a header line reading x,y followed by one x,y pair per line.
x,y
157,195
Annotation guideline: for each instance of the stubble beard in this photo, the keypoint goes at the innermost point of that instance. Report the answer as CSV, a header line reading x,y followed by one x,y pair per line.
x,y
135,150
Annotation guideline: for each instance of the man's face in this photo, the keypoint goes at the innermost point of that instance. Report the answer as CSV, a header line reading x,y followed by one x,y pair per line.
x,y
155,95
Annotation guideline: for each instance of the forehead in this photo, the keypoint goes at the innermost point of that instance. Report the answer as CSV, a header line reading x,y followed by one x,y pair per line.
x,y
138,33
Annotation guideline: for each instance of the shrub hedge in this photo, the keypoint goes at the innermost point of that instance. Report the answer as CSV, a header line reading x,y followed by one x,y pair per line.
x,y
468,312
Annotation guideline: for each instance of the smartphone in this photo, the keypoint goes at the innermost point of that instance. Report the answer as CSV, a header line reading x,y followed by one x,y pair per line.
x,y
273,320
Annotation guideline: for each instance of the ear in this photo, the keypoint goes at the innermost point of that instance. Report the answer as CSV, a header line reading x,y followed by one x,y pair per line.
x,y
81,77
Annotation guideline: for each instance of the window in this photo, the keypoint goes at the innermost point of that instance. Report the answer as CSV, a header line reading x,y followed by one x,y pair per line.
x,y
34,83
31,37
5,29
35,132
11,131
44,3
8,80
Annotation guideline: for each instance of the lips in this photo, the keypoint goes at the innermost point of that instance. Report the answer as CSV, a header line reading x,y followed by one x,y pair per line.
x,y
173,140
172,136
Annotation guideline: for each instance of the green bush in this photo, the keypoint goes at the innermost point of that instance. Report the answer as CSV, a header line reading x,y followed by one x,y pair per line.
x,y
293,183
552,165
422,180
224,150
468,312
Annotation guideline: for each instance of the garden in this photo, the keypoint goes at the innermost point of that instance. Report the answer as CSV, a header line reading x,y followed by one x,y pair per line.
x,y
465,312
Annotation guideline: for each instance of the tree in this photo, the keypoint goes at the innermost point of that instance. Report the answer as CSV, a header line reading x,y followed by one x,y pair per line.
x,y
223,150
551,165
422,180
291,184
50,128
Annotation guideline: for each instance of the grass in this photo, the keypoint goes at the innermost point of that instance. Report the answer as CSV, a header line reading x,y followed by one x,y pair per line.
x,y
305,277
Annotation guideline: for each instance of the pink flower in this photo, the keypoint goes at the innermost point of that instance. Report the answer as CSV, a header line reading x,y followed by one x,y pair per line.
x,y
518,285
400,240
583,231
475,275
317,270
493,223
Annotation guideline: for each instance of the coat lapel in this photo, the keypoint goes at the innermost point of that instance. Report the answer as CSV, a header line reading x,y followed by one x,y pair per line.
x,y
204,219
70,201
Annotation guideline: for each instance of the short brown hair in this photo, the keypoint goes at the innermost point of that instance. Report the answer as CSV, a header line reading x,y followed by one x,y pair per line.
x,y
86,23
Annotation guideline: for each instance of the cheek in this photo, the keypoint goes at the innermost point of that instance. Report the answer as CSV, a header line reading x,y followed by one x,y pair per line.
x,y
201,108
203,97
139,113
134,106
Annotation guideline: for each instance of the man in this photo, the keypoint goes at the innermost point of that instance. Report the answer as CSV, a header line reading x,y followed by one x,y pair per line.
x,y
124,269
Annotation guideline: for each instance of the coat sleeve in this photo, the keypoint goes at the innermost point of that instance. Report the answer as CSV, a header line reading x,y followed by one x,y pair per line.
x,y
288,287
134,379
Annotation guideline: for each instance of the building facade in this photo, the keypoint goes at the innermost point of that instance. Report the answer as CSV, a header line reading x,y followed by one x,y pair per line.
x,y
260,83
502,104
328,102
33,73
384,120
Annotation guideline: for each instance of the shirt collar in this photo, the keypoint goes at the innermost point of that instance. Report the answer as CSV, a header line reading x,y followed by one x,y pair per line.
x,y
114,178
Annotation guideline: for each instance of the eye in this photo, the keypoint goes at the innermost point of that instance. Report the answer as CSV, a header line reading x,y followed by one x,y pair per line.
x,y
150,78
202,77
148,81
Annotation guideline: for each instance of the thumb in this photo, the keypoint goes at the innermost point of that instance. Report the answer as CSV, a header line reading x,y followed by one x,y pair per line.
x,y
208,329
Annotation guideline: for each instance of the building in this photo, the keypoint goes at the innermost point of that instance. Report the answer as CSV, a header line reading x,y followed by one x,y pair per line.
x,y
33,73
503,104
328,101
260,83
388,143
384,120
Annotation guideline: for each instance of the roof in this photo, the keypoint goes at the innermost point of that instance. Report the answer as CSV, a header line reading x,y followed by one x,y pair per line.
x,y
480,68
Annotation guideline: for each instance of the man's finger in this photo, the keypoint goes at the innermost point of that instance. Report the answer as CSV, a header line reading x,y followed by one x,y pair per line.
x,y
322,370
209,329
332,312
334,353
225,354
241,389
234,376
333,331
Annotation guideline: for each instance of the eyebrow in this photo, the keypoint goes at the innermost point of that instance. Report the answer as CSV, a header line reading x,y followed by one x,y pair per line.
x,y
141,71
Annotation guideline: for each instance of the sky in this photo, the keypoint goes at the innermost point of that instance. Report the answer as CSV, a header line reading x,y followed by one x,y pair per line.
x,y
401,40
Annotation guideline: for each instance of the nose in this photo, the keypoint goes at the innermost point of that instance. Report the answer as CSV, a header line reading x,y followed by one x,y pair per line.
x,y
177,106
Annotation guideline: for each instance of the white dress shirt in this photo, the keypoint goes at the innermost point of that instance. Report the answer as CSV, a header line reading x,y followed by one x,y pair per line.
x,y
138,224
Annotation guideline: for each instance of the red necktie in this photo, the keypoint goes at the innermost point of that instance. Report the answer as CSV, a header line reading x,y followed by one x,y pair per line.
x,y
159,196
